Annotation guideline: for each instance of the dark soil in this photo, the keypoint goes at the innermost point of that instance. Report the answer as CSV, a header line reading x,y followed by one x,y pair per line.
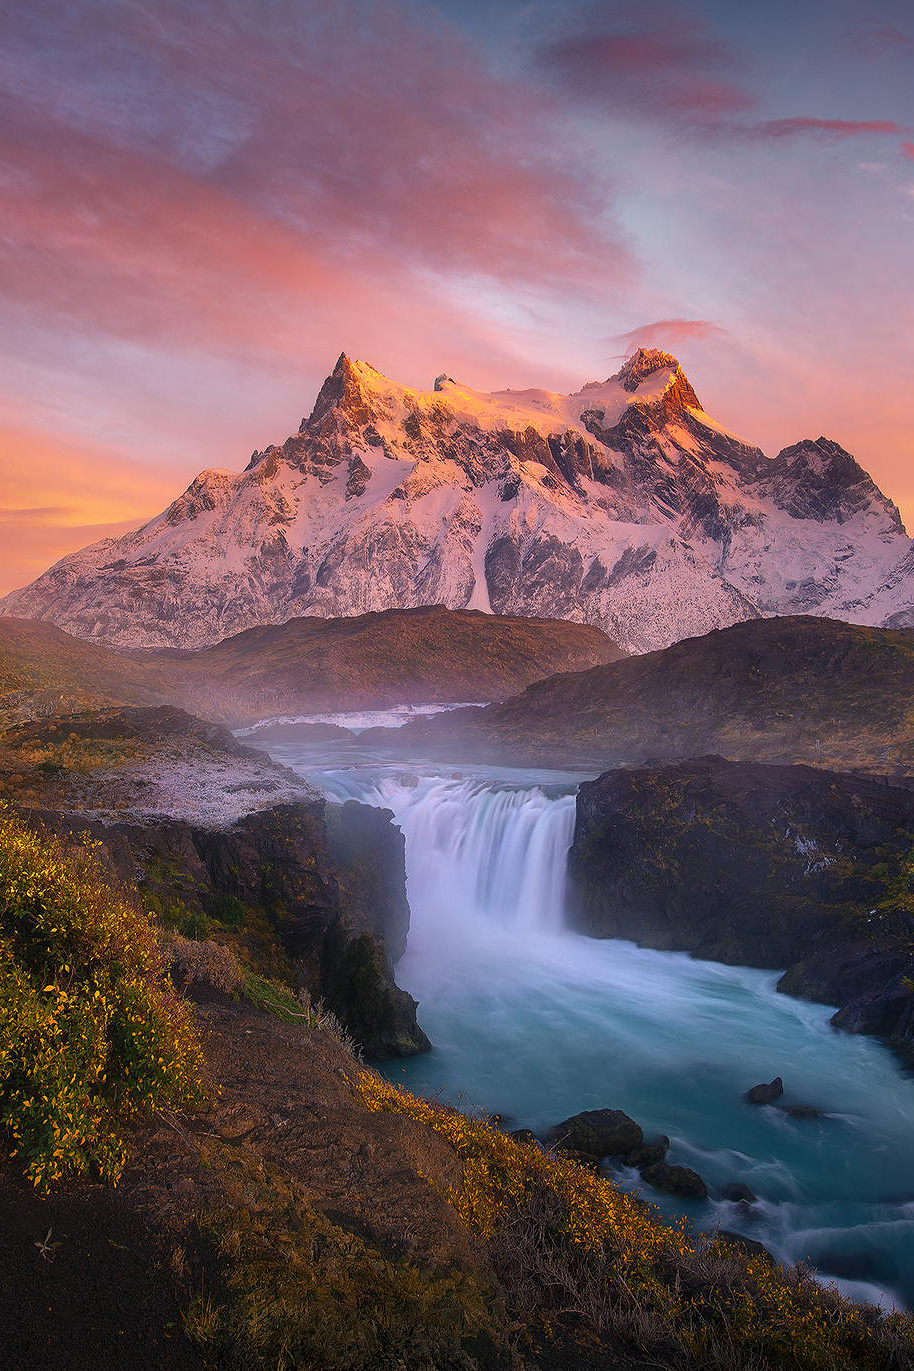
x,y
103,1298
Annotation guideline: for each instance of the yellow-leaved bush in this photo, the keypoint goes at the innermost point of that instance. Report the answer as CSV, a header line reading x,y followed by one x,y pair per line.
x,y
90,1027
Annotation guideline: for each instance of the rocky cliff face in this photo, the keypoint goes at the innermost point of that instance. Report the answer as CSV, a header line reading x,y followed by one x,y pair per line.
x,y
623,505
759,865
272,879
223,843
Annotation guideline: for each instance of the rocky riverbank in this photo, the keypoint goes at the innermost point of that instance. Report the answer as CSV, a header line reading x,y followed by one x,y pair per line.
x,y
763,866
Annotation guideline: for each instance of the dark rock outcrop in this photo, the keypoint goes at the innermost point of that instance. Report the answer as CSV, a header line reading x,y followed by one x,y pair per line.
x,y
292,875
738,1193
599,1133
766,1093
676,1180
759,865
649,1154
749,1245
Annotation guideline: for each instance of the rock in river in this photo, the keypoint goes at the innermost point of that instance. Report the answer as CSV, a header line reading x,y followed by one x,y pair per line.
x,y
599,1133
676,1180
766,1094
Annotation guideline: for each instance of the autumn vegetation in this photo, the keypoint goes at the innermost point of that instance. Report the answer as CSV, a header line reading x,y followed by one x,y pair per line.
x,y
94,1033
91,1029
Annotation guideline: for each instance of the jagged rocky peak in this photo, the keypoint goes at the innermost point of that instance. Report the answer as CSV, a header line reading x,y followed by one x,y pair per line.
x,y
819,479
642,364
348,388
646,363
623,505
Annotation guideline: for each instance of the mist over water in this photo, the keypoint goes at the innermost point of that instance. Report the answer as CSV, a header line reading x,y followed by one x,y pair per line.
x,y
535,1022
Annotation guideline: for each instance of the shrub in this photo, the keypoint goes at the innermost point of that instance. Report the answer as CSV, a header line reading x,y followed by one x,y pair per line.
x,y
277,999
205,963
90,1028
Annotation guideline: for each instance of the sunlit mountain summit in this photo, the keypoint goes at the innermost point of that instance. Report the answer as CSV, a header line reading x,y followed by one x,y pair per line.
x,y
624,505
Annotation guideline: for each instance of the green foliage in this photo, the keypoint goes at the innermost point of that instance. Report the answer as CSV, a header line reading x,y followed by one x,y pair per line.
x,y
277,999
228,911
90,1028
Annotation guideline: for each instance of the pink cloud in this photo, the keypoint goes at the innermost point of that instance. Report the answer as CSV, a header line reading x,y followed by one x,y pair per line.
x,y
680,77
257,187
907,151
872,37
359,133
662,73
823,128
667,334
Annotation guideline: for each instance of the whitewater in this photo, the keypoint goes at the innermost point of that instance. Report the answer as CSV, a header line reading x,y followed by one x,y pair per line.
x,y
534,1022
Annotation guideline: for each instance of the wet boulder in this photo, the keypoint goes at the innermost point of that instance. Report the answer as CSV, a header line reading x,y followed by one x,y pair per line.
x,y
676,1180
766,1094
802,1111
649,1154
750,1246
524,1136
738,1193
599,1133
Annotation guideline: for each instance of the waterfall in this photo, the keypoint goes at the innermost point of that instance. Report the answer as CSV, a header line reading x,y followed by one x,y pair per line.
x,y
477,854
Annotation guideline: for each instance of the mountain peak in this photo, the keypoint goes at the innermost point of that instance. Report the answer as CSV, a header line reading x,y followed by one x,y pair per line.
x,y
624,504
345,388
819,479
642,364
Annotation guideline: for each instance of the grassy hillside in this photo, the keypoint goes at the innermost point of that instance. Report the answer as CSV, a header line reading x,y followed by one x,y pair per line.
x,y
784,690
399,656
44,671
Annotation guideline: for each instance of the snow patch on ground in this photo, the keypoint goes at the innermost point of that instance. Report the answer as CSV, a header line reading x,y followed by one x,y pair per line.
x,y
209,792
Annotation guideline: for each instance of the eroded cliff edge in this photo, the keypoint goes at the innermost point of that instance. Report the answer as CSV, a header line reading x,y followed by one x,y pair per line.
x,y
223,844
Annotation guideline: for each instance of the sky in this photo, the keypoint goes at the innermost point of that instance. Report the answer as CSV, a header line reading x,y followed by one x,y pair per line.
x,y
203,204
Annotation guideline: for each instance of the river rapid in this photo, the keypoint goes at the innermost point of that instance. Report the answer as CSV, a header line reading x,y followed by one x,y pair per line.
x,y
535,1023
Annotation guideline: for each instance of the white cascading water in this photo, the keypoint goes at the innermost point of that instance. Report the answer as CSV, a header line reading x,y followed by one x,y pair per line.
x,y
477,856
536,1022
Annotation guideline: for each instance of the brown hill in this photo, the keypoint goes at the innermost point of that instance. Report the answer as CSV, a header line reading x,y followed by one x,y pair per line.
x,y
45,671
411,656
799,689
396,656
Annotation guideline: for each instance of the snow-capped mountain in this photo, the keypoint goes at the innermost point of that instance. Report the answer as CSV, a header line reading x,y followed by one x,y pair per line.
x,y
623,505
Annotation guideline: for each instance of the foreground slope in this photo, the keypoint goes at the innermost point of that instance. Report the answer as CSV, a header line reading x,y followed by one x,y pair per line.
x,y
311,1214
798,689
623,505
